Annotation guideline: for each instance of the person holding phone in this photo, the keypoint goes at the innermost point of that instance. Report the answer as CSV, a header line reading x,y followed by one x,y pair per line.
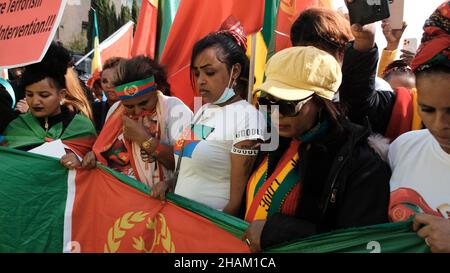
x,y
396,72
389,53
383,108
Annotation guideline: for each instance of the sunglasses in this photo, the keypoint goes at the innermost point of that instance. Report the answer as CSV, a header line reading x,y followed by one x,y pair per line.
x,y
285,108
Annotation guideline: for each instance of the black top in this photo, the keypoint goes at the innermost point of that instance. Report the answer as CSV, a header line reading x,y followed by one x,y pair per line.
x,y
100,110
357,92
7,114
344,184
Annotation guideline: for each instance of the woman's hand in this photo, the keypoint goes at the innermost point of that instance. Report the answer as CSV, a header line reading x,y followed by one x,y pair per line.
x,y
435,230
160,189
70,161
89,161
364,35
22,106
134,130
252,235
393,36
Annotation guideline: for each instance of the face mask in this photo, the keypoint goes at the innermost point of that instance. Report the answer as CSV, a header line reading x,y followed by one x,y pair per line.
x,y
228,93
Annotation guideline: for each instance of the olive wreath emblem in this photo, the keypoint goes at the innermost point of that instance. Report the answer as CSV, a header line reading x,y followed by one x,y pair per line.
x,y
162,238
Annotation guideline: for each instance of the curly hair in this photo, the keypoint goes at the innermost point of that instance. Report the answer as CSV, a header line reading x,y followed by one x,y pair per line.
x,y
53,65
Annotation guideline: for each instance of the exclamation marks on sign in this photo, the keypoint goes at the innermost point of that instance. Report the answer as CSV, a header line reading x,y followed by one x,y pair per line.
x,y
49,23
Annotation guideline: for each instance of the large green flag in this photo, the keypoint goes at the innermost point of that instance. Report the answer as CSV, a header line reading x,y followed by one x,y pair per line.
x,y
46,208
385,238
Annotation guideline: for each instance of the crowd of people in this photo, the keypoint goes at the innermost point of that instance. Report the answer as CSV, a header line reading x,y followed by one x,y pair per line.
x,y
361,141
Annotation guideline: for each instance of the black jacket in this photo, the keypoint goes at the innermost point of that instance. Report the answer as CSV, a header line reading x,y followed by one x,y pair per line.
x,y
357,92
345,184
7,114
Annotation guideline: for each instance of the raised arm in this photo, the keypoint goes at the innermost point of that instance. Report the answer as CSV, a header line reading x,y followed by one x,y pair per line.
x,y
357,92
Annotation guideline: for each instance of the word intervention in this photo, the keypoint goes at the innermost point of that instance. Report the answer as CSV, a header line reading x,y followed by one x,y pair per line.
x,y
230,262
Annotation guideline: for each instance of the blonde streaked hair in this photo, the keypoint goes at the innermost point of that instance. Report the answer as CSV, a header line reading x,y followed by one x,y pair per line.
x,y
75,96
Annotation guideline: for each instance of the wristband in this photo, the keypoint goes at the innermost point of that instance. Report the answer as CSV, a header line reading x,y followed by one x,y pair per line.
x,y
157,150
238,151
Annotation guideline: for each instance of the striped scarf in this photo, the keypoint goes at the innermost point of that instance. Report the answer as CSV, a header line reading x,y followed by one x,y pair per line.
x,y
267,191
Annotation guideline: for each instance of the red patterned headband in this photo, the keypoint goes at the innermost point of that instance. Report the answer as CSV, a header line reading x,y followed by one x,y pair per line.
x,y
233,27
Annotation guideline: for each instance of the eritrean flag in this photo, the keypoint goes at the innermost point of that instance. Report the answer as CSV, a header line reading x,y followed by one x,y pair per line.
x,y
46,208
25,131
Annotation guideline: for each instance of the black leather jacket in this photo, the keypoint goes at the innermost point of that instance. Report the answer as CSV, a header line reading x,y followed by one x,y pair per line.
x,y
345,184
357,92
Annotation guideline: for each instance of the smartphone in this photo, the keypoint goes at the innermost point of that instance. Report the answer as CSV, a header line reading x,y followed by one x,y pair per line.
x,y
410,44
364,12
396,9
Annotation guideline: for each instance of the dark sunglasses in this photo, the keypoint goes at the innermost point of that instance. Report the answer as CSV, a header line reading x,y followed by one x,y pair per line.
x,y
285,108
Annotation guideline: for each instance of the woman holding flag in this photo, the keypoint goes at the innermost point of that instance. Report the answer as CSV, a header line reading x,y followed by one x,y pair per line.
x,y
49,119
420,160
138,136
323,176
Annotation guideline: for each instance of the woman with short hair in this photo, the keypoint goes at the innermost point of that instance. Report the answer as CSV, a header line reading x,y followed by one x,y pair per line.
x,y
49,118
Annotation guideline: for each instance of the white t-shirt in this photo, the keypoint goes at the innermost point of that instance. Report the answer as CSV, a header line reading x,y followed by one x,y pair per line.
x,y
420,179
176,118
205,168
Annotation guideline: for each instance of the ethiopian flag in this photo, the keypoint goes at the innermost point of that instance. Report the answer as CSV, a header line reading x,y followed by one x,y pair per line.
x,y
96,61
46,208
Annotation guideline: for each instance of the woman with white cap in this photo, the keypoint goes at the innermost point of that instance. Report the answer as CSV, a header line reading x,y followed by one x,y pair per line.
x,y
323,176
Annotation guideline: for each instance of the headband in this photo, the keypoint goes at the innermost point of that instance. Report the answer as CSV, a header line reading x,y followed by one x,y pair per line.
x,y
135,89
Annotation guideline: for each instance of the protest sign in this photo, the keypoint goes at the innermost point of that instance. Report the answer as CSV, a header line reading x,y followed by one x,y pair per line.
x,y
27,28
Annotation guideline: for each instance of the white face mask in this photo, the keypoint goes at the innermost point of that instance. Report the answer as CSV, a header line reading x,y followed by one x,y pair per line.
x,y
228,93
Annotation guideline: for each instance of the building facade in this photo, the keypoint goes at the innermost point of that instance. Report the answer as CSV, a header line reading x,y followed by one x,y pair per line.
x,y
75,21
